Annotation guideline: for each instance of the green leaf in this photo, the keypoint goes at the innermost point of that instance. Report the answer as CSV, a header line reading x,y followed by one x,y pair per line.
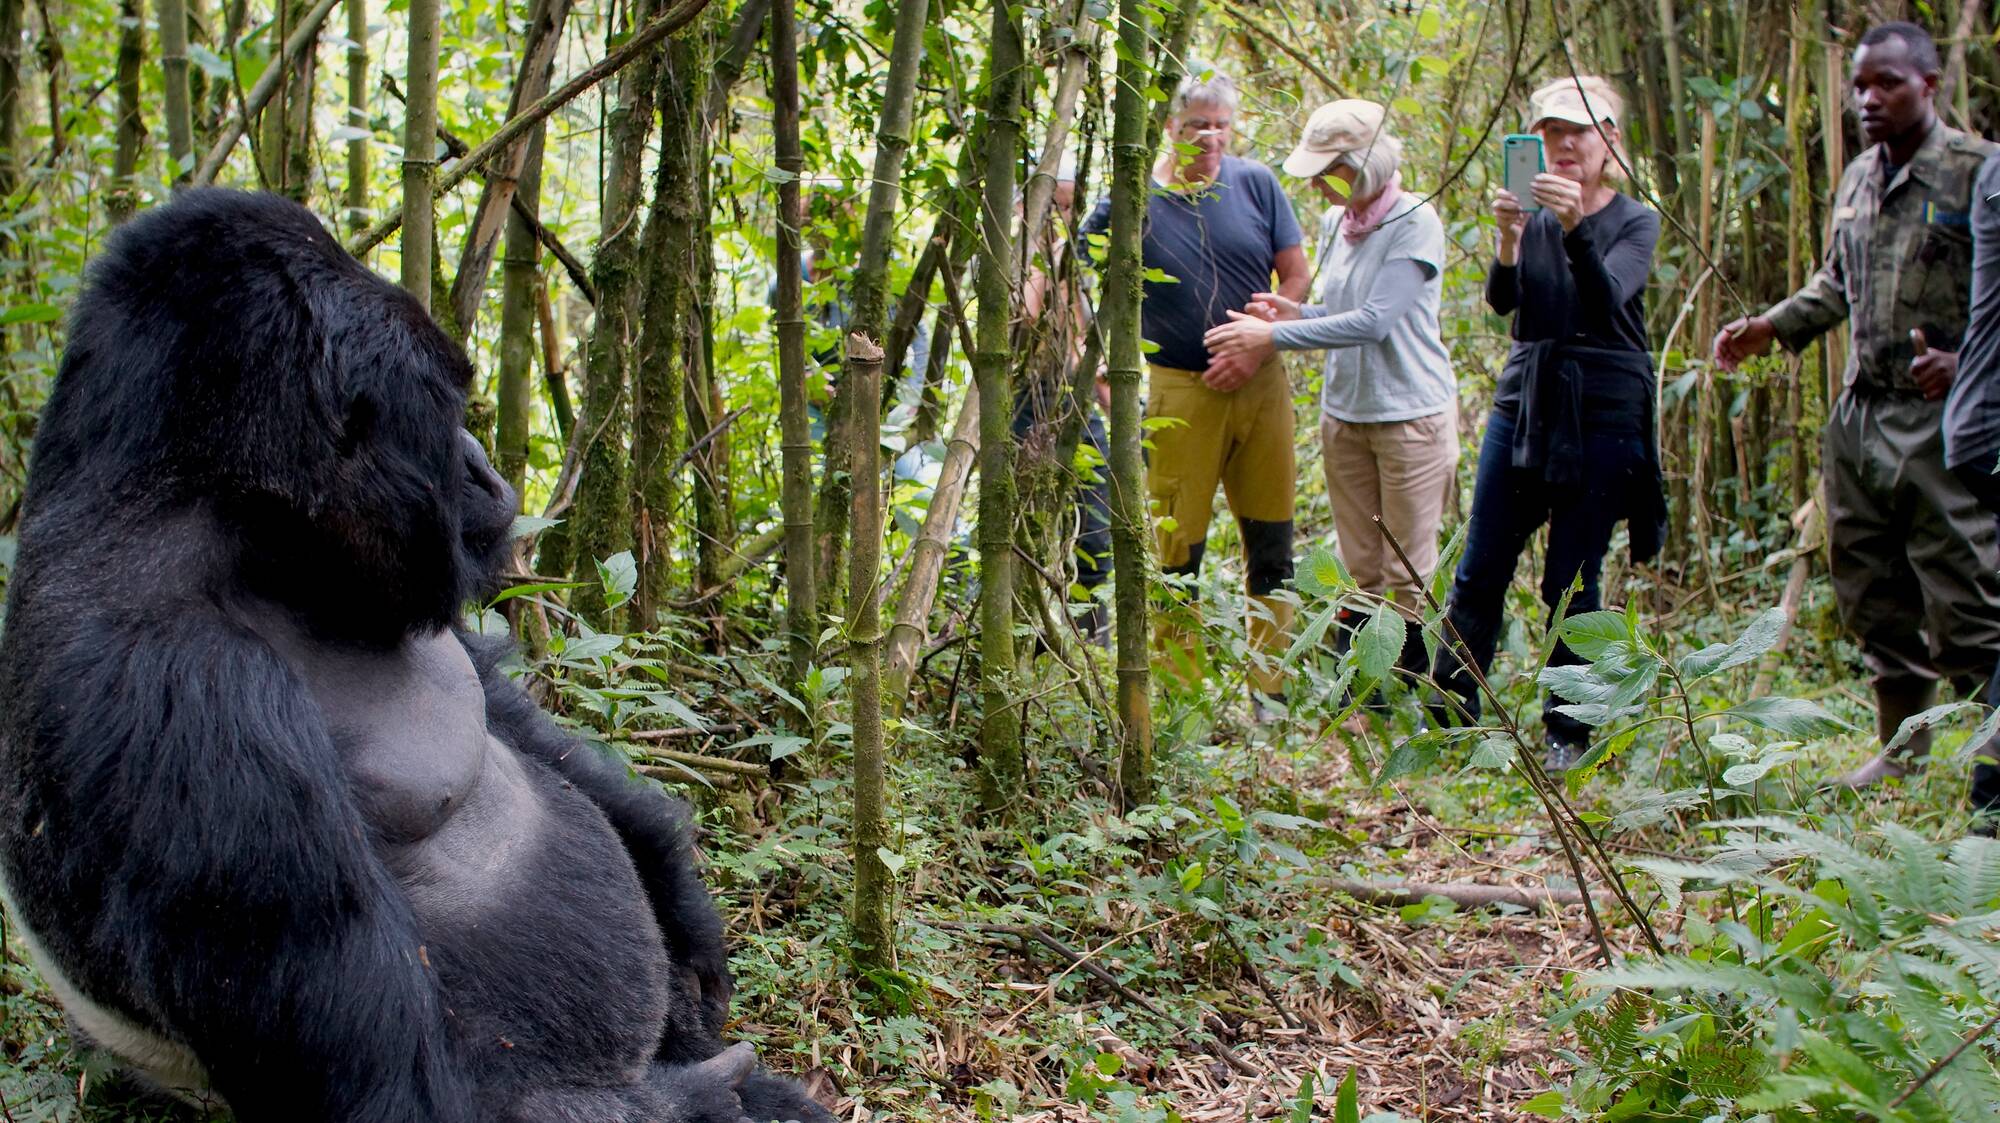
x,y
1591,634
212,64
1322,575
782,744
676,709
1380,642
1302,1107
1411,757
532,590
1347,1101
1791,717
1760,637
30,314
619,574
525,525
1548,1105
1429,24
1496,751
1933,716
891,861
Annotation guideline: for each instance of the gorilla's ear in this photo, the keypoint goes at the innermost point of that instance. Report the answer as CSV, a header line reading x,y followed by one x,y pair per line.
x,y
357,425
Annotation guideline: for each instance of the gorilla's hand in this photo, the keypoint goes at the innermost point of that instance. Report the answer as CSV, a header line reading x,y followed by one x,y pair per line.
x,y
706,1092
698,1093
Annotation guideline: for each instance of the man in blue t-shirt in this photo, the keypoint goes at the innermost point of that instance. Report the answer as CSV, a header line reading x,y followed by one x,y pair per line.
x,y
1218,227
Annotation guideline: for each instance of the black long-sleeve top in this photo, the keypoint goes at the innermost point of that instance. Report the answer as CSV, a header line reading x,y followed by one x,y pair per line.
x,y
1585,288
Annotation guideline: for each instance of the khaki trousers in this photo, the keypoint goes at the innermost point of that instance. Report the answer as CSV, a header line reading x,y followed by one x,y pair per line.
x,y
1242,440
1402,472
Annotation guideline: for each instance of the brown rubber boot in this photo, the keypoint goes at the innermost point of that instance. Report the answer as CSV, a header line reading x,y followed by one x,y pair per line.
x,y
1894,703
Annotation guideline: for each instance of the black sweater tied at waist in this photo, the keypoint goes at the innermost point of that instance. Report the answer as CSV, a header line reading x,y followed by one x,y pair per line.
x,y
1566,388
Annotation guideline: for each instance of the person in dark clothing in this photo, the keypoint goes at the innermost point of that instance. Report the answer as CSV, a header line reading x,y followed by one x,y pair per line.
x,y
1972,421
1570,440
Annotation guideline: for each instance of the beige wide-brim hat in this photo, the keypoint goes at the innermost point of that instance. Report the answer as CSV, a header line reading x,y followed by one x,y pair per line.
x,y
1347,125
1585,102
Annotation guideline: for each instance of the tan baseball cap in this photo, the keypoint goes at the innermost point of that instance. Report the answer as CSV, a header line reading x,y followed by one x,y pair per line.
x,y
1584,103
1336,127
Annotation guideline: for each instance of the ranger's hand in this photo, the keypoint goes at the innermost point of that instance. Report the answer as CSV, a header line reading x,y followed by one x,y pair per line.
x,y
1933,370
1739,339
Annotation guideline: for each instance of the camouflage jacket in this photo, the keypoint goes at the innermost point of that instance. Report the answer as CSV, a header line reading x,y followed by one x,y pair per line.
x,y
1900,258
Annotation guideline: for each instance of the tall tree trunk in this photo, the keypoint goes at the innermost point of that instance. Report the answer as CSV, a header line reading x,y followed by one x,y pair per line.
x,y
1119,309
795,433
729,64
667,348
357,114
1000,726
420,149
176,103
874,930
601,520
520,293
297,45
284,144
1798,232
531,82
124,195
49,48
849,424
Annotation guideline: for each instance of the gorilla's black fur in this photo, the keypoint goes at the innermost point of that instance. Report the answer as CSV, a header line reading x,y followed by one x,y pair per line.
x,y
275,832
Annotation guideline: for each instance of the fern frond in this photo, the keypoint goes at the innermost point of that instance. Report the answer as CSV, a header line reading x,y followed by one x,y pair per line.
x,y
1974,873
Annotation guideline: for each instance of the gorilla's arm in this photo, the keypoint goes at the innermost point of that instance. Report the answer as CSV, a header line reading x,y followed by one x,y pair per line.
x,y
195,858
654,826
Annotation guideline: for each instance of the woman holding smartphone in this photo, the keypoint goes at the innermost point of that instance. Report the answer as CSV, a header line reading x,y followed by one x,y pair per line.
x,y
1388,401
1570,441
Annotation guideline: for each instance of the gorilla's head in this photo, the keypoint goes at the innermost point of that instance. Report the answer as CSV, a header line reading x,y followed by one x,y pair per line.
x,y
227,357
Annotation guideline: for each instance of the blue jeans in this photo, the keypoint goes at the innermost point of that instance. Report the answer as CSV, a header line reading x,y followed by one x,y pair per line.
x,y
1508,505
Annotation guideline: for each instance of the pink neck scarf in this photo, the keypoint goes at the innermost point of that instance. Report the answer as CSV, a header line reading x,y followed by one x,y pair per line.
x,y
1359,222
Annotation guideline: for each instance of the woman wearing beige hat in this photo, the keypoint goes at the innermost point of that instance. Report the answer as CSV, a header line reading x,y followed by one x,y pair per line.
x,y
1388,400
1570,441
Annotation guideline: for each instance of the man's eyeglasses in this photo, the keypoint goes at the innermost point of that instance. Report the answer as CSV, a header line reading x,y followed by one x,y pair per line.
x,y
1194,128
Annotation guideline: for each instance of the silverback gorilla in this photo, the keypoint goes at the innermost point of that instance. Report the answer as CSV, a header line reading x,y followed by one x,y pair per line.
x,y
275,831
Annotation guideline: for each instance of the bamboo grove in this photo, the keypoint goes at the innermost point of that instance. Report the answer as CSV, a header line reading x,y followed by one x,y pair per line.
x,y
640,218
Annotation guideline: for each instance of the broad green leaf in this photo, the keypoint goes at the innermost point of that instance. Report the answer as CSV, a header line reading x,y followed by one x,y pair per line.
x,y
30,314
1411,757
525,525
1322,575
1494,752
782,744
1936,715
619,574
1548,1105
1590,634
532,590
1792,717
1347,1101
1429,24
1380,642
1758,638
891,860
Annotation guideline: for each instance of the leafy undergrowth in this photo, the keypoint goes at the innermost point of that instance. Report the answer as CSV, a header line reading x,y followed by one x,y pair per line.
x,y
1195,959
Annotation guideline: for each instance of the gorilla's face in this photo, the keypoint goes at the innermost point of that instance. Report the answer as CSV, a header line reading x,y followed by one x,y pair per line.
x,y
487,505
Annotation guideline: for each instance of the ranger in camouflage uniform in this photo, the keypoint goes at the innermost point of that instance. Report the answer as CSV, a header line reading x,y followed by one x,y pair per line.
x,y
1913,553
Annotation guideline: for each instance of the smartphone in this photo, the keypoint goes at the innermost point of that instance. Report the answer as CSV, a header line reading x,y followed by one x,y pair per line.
x,y
1521,162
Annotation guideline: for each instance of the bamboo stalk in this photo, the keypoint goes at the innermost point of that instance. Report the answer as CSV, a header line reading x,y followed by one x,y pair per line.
x,y
420,149
1119,309
801,584
1000,721
176,108
848,421
928,555
874,947
123,198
